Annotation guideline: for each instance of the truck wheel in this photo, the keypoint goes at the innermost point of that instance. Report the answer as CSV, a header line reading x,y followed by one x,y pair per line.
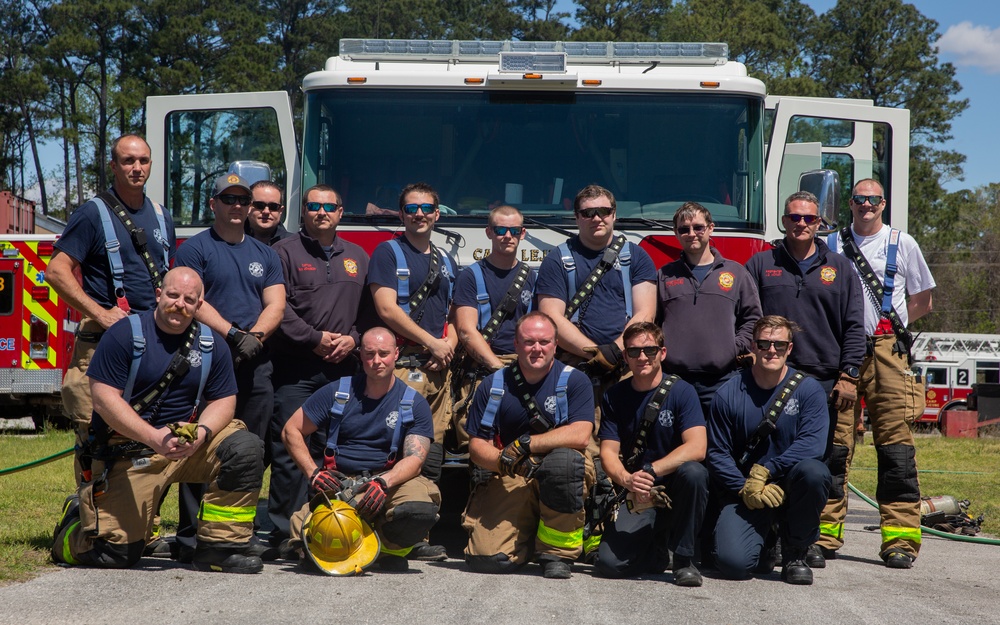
x,y
955,404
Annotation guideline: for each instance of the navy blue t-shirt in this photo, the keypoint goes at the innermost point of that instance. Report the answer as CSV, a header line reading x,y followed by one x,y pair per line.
x,y
497,282
83,240
382,271
623,408
602,317
512,418
737,410
235,275
367,426
113,360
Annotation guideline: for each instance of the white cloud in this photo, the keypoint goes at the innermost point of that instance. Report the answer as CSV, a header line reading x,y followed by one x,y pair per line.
x,y
972,46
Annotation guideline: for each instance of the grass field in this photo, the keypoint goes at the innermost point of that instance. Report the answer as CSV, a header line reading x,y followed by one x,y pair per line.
x,y
30,500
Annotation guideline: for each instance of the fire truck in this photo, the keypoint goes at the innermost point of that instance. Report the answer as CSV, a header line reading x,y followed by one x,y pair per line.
x,y
950,364
499,122
529,124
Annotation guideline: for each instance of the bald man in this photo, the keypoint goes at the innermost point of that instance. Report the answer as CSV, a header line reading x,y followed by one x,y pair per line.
x,y
146,437
374,425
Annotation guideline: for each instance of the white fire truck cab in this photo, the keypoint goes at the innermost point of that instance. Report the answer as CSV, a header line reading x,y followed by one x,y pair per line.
x,y
950,364
529,124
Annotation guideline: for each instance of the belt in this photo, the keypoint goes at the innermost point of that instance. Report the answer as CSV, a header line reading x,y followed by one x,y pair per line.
x,y
89,337
413,361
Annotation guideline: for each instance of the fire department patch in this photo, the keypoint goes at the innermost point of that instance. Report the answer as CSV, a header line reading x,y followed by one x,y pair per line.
x,y
726,280
390,420
828,274
550,404
351,267
256,269
931,394
194,358
233,179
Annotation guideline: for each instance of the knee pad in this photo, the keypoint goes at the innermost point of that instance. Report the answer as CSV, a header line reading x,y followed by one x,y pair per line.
x,y
432,465
837,463
242,462
897,474
497,563
560,480
108,556
410,522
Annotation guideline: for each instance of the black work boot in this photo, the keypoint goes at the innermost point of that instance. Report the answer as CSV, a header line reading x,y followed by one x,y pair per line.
x,y
685,572
815,558
225,558
794,569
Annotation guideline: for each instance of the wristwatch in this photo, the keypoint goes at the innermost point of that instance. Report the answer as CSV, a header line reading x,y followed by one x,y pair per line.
x,y
852,372
525,441
648,468
232,333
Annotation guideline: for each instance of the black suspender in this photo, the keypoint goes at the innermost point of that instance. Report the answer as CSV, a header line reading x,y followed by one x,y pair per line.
x,y
508,304
769,423
587,289
418,299
649,416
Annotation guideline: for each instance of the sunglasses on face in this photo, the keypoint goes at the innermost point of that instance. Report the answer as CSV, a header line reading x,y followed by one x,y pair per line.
x,y
600,211
411,209
329,207
779,346
699,229
806,219
274,207
650,351
515,231
229,199
860,200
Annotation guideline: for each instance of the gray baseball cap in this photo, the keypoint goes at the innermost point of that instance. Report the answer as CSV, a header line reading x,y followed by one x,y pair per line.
x,y
227,181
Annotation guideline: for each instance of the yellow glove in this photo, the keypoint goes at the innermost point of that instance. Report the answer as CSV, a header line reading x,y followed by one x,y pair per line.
x,y
187,432
753,488
772,496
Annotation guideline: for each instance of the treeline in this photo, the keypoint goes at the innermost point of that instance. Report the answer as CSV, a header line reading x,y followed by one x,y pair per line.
x,y
77,72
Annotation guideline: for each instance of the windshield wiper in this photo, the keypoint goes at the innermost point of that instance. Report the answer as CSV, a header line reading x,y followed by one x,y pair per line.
x,y
667,225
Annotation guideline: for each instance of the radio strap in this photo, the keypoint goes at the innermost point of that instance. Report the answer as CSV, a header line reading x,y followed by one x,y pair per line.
x,y
769,423
649,416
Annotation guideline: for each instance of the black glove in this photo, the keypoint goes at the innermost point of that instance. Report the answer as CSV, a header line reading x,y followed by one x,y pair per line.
x,y
323,480
607,357
529,466
372,495
513,455
245,346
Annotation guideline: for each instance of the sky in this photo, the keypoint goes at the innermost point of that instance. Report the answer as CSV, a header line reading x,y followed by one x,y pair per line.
x,y
970,40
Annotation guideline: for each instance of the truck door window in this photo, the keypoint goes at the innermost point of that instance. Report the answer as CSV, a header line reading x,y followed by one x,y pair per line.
x,y
7,287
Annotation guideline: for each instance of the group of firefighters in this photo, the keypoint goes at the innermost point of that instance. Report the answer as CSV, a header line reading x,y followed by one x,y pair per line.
x,y
699,415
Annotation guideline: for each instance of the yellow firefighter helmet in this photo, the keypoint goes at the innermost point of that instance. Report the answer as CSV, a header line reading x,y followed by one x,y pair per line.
x,y
336,539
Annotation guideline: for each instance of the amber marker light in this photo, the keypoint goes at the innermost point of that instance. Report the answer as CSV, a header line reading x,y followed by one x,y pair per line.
x,y
711,84
532,76
356,80
474,81
592,83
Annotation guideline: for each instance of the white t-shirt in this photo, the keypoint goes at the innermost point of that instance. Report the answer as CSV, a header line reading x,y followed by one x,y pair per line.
x,y
912,274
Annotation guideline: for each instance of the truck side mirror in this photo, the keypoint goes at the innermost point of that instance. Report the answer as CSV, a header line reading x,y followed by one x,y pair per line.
x,y
825,185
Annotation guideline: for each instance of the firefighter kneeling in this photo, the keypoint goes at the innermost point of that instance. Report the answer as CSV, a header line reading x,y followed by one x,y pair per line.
x,y
530,422
147,377
378,432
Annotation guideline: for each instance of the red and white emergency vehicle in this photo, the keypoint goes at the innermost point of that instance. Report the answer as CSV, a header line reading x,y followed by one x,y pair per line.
x,y
529,124
950,364
491,122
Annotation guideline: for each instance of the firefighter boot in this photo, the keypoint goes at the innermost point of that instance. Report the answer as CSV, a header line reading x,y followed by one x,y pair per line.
x,y
794,569
225,558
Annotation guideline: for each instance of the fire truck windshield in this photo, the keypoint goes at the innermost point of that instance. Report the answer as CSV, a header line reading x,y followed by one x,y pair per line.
x,y
535,150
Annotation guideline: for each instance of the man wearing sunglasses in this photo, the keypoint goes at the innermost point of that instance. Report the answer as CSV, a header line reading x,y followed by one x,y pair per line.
x,y
411,282
266,211
244,301
482,301
893,395
707,306
82,248
314,346
805,281
655,457
771,474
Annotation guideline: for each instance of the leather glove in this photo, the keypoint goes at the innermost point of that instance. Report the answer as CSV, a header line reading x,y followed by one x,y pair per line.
x,y
186,431
513,455
744,361
323,480
658,495
245,346
529,466
607,357
752,490
373,494
772,496
845,392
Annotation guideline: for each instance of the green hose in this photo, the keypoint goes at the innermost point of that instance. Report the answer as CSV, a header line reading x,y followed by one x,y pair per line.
x,y
929,530
35,463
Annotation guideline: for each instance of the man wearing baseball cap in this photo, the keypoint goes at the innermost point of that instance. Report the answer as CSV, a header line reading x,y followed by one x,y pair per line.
x,y
244,301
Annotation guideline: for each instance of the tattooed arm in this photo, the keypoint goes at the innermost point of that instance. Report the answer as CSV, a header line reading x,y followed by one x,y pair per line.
x,y
407,467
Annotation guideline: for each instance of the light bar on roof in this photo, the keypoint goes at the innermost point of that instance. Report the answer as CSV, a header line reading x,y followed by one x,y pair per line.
x,y
610,52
